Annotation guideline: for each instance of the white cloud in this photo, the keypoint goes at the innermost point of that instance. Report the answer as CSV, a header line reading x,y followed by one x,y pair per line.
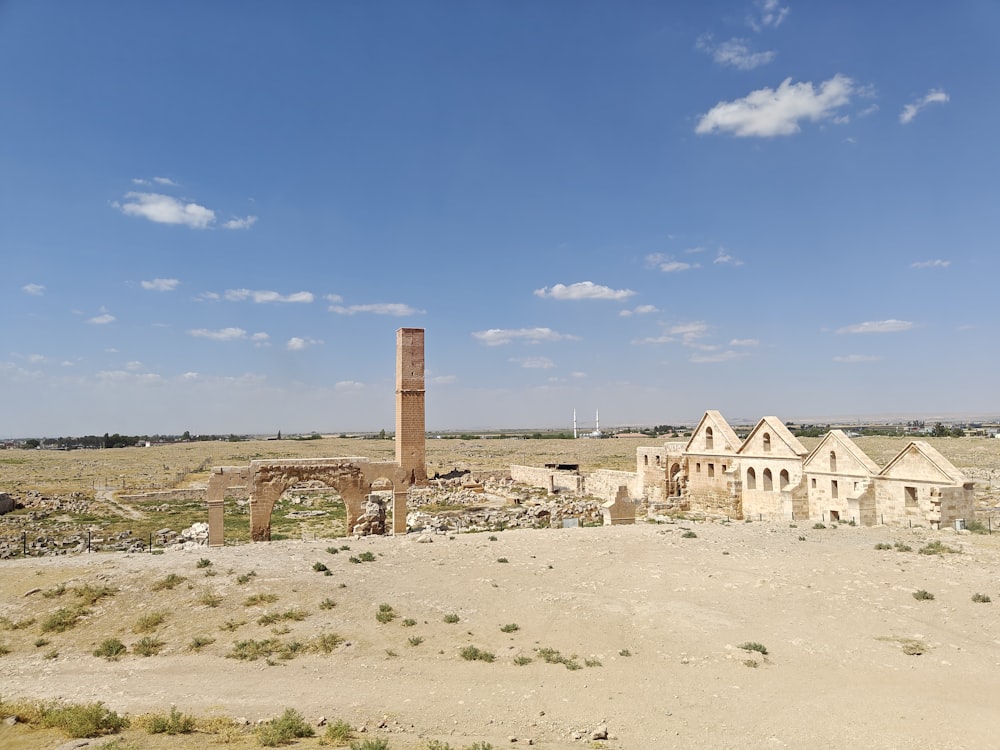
x,y
388,308
163,209
297,343
667,264
640,310
766,112
725,356
500,336
444,379
34,289
263,296
583,290
878,326
260,337
723,257
165,181
853,358
688,334
931,264
769,14
578,375
333,298
662,339
102,319
348,385
221,334
744,342
734,53
910,111
534,363
236,223
161,285
123,376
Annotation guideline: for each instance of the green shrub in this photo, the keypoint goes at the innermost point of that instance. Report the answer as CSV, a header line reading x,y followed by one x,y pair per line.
x,y
168,583
521,660
258,599
372,743
900,547
385,614
111,649
289,726
148,646
63,619
592,663
326,642
55,591
937,547
366,557
451,619
354,560
923,596
510,627
760,648
415,640
246,577
977,527
149,622
199,642
689,535
338,733
493,538
624,652
175,723
981,599
471,653
93,594
327,603
230,626
204,563
819,525
251,650
333,550
502,560
409,622
320,567
83,719
883,545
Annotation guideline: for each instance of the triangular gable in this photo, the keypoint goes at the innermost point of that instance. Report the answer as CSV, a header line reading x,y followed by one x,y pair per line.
x,y
919,461
724,439
851,460
783,443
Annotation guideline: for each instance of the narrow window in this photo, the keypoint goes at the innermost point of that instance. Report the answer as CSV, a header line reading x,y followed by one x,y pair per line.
x,y
767,442
645,460
768,483
834,489
711,470
709,438
833,461
657,460
911,496
751,479
723,467
783,479
812,483
697,468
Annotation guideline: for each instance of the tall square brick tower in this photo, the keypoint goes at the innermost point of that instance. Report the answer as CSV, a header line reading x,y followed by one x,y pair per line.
x,y
410,449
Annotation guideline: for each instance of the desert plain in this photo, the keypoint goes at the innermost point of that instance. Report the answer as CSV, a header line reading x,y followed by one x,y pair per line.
x,y
655,632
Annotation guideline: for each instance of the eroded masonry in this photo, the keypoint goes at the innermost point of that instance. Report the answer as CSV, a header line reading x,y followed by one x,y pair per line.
x,y
361,482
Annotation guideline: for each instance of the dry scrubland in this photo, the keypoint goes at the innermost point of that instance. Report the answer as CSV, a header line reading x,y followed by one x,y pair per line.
x,y
639,628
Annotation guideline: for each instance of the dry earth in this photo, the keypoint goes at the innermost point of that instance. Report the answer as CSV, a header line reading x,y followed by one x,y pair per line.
x,y
833,612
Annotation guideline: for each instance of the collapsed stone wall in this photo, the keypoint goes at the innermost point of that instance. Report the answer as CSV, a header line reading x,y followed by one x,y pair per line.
x,y
547,479
604,483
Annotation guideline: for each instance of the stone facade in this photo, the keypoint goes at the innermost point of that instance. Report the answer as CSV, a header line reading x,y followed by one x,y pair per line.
x,y
770,475
410,394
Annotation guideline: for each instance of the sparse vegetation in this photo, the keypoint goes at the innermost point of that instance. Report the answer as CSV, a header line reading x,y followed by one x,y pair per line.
x,y
883,545
256,600
296,615
510,627
76,720
338,733
451,618
320,567
326,642
385,614
210,599
281,731
63,619
689,535
203,563
923,596
327,603
244,579
502,560
552,656
93,594
169,583
522,660
149,622
111,649
981,599
230,626
173,723
819,525
471,653
372,743
409,622
415,640
148,646
901,547
366,557
760,648
937,547
624,652
199,642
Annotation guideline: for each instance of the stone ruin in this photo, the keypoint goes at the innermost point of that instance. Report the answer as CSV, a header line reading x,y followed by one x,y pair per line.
x,y
361,483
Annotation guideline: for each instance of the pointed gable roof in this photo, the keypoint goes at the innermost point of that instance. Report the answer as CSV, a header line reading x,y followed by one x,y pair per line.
x,y
724,439
920,461
837,440
783,443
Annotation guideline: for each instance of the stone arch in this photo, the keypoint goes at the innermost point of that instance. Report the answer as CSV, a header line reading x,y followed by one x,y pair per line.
x,y
674,486
833,462
767,442
751,479
768,481
709,438
783,479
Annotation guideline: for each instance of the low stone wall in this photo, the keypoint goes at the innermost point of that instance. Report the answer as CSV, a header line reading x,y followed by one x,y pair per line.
x,y
195,493
547,479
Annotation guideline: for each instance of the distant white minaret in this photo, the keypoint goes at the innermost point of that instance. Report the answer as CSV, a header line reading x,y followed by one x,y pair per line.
x,y
597,420
574,424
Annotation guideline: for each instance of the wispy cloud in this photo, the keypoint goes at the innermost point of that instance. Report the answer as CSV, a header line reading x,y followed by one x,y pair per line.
x,y
348,385
220,334
534,363
723,356
734,53
102,320
396,309
583,290
263,296
236,223
931,264
767,14
161,285
640,310
444,379
500,336
878,326
687,333
667,264
745,342
911,110
165,181
724,257
855,358
296,343
766,112
36,290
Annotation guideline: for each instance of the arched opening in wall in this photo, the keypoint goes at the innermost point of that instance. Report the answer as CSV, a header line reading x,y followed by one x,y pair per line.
x,y
309,509
767,442
751,479
657,460
768,481
376,510
709,438
674,488
833,461
783,479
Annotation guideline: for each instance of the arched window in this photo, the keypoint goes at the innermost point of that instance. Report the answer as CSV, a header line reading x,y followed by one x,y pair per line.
x,y
833,461
783,479
645,460
751,479
709,438
768,482
767,442
657,460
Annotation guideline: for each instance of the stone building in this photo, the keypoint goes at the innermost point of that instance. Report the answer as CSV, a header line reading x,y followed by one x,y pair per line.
x,y
840,481
710,463
770,461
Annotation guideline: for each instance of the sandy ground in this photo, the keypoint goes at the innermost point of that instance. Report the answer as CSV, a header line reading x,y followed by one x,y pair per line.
x,y
832,611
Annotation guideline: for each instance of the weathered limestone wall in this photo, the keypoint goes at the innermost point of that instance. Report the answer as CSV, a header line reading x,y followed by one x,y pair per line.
x,y
604,483
621,510
547,479
903,502
712,489
410,404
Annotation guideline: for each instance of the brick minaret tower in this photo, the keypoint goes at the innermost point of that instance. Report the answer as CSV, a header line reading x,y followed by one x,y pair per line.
x,y
410,450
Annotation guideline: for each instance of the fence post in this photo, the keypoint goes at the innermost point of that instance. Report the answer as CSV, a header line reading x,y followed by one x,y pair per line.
x,y
88,541
24,543
150,547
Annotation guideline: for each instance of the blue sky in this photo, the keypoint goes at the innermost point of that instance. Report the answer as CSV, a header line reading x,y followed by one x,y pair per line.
x,y
214,216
